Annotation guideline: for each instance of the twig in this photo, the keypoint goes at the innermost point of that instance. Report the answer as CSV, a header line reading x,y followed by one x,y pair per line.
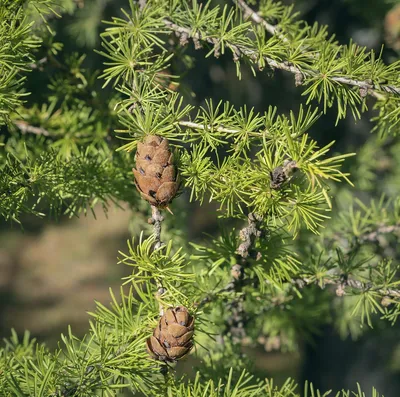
x,y
342,282
383,229
365,86
198,126
26,128
236,322
156,220
142,4
248,235
249,13
39,63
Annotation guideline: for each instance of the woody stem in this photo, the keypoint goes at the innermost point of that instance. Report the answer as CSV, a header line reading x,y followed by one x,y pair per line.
x,y
156,219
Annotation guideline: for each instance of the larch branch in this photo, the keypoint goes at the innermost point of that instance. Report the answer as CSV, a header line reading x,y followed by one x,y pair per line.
x,y
255,17
341,282
25,128
365,87
156,220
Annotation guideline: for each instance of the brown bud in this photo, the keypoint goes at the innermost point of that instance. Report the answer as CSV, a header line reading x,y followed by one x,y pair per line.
x,y
155,174
172,338
386,301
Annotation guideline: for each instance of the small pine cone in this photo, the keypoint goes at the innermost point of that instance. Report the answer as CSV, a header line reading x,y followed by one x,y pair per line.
x,y
392,27
155,174
172,338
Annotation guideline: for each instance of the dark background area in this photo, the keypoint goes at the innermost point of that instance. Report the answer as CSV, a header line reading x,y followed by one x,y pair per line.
x,y
52,271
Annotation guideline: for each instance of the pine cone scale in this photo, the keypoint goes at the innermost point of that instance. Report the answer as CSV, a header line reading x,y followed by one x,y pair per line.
x,y
177,352
185,338
166,192
177,330
156,346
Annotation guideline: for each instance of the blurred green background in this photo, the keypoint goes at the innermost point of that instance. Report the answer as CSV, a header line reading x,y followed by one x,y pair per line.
x,y
52,271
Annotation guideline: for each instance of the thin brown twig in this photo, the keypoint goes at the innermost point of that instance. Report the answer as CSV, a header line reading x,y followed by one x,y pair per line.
x,y
142,4
156,220
25,128
342,282
248,234
250,13
274,30
198,126
39,63
382,229
366,87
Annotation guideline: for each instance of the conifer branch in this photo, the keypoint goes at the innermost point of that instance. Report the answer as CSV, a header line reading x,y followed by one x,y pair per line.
x,y
248,234
24,127
340,282
364,86
198,126
237,318
156,220
250,13
382,229
142,4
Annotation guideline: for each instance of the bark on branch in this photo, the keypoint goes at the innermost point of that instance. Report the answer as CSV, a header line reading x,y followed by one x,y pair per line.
x,y
25,128
366,87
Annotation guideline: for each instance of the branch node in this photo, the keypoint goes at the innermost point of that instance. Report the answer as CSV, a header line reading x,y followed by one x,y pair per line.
x,y
298,79
184,39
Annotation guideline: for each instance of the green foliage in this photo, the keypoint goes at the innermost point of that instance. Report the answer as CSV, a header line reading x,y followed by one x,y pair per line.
x,y
298,269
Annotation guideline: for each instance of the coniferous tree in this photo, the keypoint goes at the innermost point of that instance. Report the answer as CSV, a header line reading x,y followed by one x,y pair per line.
x,y
294,251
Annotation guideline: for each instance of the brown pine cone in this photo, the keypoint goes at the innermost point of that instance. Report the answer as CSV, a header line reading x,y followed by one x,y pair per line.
x,y
155,174
392,28
172,338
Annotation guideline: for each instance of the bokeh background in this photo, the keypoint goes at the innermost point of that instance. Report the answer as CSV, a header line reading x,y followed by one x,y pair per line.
x,y
51,271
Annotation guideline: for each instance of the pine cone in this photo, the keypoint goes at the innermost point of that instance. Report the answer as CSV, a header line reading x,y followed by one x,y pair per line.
x,y
172,339
155,174
392,28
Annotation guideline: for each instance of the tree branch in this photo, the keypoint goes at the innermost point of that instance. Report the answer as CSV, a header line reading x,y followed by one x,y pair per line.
x,y
382,229
341,282
249,13
26,128
156,220
198,126
364,86
142,4
248,234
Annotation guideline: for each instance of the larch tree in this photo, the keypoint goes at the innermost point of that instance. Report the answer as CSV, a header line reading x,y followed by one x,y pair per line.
x,y
295,248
